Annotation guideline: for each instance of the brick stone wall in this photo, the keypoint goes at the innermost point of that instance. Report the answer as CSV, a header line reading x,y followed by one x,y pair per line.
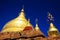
x,y
25,35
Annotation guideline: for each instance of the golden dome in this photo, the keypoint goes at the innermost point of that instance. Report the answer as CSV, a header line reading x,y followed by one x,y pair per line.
x,y
17,24
53,32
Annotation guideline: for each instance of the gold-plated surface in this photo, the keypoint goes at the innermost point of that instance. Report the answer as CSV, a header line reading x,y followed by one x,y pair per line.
x,y
36,27
17,24
53,32
52,27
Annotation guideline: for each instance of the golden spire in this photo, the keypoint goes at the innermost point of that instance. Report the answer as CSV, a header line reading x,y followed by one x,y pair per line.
x,y
36,28
52,27
17,24
53,32
21,14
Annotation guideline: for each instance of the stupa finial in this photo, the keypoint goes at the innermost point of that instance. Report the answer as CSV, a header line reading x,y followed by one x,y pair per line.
x,y
36,27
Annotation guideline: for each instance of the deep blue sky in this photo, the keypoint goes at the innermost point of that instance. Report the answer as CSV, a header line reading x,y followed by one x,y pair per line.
x,y
9,9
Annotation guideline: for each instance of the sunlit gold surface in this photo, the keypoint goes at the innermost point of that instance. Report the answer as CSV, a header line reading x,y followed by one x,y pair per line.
x,y
36,28
17,24
52,27
53,32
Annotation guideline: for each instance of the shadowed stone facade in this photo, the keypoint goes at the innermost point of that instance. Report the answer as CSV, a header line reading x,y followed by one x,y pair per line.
x,y
25,35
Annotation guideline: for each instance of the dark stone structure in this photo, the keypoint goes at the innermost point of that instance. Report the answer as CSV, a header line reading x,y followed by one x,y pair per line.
x,y
25,35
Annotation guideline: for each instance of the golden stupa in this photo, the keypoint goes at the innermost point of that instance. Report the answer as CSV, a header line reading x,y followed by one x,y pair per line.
x,y
37,28
53,32
16,25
